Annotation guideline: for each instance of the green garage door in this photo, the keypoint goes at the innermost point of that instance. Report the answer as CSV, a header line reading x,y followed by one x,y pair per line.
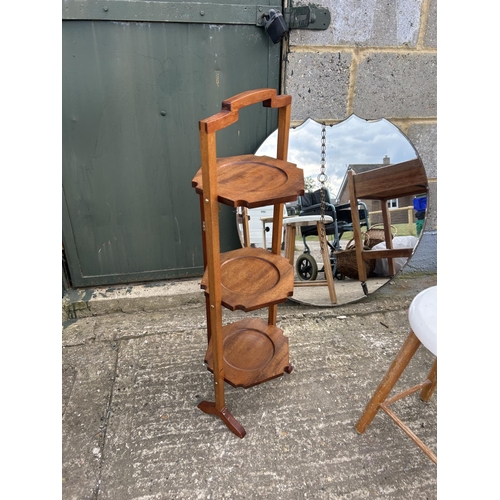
x,y
137,78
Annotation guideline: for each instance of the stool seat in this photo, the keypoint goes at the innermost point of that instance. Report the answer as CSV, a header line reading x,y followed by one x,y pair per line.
x,y
422,316
306,220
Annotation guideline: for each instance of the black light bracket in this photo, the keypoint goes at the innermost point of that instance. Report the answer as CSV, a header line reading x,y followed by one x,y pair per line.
x,y
277,24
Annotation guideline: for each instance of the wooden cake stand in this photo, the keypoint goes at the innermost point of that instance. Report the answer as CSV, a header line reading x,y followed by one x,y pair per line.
x,y
252,350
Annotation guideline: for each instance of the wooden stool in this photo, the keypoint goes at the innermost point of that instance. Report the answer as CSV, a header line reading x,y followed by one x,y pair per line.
x,y
422,317
291,224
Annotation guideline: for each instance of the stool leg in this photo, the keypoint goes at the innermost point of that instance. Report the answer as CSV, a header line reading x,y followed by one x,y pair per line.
x,y
290,233
428,391
397,367
326,263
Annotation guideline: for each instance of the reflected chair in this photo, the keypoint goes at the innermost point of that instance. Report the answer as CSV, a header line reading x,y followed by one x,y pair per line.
x,y
383,184
422,316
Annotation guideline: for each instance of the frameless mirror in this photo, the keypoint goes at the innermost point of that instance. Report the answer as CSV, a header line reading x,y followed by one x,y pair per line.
x,y
356,144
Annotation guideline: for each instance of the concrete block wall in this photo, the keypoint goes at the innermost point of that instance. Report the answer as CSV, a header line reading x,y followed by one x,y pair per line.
x,y
377,59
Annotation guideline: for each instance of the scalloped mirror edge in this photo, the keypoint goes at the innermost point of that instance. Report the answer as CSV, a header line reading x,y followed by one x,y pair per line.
x,y
353,144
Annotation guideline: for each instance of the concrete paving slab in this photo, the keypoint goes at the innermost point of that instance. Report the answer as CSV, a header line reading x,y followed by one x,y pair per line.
x,y
132,429
88,373
85,302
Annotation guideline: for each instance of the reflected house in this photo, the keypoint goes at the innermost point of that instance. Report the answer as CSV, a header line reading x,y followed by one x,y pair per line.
x,y
402,211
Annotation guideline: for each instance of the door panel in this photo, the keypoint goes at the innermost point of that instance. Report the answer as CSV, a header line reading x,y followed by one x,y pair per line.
x,y
133,93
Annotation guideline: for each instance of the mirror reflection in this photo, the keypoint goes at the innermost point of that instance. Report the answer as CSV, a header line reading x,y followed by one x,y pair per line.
x,y
353,144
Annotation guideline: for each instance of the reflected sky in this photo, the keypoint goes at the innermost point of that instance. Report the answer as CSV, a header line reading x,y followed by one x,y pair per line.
x,y
353,141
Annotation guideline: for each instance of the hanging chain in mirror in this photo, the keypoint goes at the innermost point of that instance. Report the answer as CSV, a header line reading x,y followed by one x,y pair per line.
x,y
322,178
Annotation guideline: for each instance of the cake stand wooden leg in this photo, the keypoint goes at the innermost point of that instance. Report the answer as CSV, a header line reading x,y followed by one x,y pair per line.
x,y
224,414
214,319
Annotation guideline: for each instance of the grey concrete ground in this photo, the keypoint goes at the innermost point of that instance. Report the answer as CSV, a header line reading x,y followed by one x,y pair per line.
x,y
133,374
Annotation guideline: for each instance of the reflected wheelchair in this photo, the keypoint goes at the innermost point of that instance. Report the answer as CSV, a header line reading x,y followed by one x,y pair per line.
x,y
310,204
